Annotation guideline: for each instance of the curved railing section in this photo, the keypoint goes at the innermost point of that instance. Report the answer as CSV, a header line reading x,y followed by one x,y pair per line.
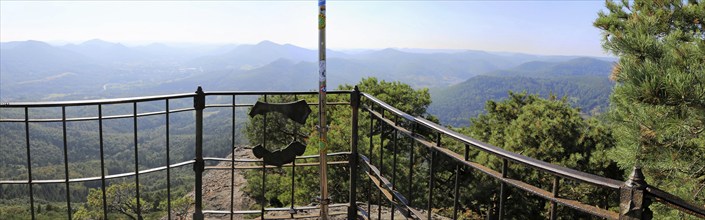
x,y
633,193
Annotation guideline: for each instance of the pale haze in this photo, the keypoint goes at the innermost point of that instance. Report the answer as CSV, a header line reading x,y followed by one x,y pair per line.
x,y
537,27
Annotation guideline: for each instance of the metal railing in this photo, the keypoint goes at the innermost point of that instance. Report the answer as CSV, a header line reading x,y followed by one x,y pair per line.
x,y
635,194
198,163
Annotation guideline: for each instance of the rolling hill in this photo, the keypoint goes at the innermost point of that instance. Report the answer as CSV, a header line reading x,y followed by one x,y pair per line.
x,y
583,81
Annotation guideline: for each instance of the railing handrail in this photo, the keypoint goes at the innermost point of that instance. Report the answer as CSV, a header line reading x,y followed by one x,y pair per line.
x,y
95,101
497,151
653,192
274,92
154,98
674,201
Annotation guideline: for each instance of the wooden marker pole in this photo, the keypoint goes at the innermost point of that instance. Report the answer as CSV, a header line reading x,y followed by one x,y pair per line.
x,y
322,128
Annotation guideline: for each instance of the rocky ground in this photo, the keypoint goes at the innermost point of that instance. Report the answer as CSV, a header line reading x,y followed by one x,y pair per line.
x,y
216,196
216,188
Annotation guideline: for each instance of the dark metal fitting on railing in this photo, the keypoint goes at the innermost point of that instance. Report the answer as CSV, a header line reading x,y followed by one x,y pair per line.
x,y
633,202
199,101
355,98
199,165
636,179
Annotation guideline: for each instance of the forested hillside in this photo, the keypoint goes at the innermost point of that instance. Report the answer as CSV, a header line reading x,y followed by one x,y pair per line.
x,y
583,81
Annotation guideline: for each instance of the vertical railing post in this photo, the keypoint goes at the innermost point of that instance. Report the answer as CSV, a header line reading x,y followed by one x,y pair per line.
x,y
29,163
292,210
369,154
137,160
554,206
168,159
502,192
633,203
199,103
232,162
354,104
381,160
455,191
66,163
102,163
411,164
394,161
264,165
431,173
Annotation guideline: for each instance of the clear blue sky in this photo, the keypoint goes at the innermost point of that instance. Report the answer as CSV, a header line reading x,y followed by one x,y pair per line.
x,y
539,27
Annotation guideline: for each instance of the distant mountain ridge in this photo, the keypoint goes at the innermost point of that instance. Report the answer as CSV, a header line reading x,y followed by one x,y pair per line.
x,y
105,69
582,66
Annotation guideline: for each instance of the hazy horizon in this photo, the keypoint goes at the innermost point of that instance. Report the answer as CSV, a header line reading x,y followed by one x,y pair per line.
x,y
544,28
186,45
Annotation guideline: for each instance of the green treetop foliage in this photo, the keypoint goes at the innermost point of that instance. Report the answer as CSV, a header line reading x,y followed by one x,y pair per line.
x,y
658,105
119,198
549,130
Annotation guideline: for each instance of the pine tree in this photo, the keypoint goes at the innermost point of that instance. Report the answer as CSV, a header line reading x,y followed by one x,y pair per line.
x,y
658,105
549,130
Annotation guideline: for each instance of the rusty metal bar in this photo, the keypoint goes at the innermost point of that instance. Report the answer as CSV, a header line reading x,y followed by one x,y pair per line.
x,y
29,162
66,161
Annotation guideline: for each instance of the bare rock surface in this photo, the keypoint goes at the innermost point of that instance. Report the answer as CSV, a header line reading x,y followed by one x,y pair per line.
x,y
216,196
217,185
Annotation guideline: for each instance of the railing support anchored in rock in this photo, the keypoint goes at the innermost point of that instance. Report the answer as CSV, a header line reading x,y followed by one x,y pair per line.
x,y
355,105
633,202
199,103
